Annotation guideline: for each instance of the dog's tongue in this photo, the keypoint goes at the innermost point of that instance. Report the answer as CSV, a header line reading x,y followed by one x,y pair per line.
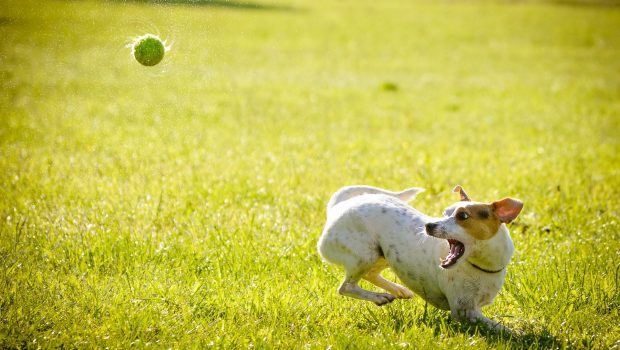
x,y
456,251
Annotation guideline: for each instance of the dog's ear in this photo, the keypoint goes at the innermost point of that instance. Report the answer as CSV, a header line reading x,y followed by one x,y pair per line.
x,y
464,196
507,209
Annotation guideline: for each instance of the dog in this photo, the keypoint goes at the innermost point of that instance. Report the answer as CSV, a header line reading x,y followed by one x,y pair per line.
x,y
457,262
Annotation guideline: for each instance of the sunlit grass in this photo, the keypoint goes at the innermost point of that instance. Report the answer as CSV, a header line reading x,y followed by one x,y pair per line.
x,y
179,205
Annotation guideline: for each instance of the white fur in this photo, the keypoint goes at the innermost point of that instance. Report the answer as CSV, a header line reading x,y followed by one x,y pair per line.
x,y
369,229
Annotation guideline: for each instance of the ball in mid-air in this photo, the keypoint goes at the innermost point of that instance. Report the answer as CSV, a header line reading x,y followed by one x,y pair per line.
x,y
148,49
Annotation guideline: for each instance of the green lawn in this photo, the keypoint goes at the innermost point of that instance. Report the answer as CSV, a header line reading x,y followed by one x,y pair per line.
x,y
179,205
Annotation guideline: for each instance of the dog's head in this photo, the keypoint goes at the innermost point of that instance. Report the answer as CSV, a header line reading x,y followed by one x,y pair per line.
x,y
467,222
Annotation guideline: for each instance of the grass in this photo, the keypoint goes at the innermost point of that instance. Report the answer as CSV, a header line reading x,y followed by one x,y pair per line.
x,y
179,206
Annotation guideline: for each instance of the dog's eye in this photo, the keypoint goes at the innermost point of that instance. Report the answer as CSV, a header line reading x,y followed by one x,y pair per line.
x,y
462,215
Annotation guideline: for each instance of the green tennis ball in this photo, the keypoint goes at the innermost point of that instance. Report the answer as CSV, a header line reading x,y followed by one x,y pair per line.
x,y
148,50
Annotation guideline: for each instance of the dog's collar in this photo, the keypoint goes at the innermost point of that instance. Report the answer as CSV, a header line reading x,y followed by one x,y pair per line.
x,y
485,270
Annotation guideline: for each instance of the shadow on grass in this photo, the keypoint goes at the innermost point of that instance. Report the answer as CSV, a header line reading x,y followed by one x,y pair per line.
x,y
587,3
5,21
403,318
238,5
524,340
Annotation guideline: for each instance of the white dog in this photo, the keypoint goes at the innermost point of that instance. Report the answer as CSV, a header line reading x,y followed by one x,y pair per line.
x,y
457,262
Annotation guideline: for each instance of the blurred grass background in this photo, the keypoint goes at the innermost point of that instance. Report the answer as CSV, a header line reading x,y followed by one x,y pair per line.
x,y
179,206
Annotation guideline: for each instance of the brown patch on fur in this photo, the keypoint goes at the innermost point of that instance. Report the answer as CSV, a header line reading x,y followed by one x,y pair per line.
x,y
482,223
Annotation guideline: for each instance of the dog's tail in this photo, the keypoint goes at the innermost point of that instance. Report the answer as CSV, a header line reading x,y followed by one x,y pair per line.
x,y
352,191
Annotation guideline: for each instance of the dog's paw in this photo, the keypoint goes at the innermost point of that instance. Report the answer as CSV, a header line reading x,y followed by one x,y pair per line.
x,y
403,293
500,328
383,299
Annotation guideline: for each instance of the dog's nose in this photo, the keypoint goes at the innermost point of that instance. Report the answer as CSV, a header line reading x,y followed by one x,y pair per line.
x,y
430,227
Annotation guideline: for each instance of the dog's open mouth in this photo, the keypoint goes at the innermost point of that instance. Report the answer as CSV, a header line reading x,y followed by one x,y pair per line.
x,y
456,251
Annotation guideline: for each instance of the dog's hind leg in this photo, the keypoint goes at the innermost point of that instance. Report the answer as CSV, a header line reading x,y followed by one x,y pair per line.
x,y
350,288
358,253
374,276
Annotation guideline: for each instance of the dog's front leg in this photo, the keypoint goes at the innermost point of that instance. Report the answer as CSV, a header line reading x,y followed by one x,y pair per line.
x,y
476,316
